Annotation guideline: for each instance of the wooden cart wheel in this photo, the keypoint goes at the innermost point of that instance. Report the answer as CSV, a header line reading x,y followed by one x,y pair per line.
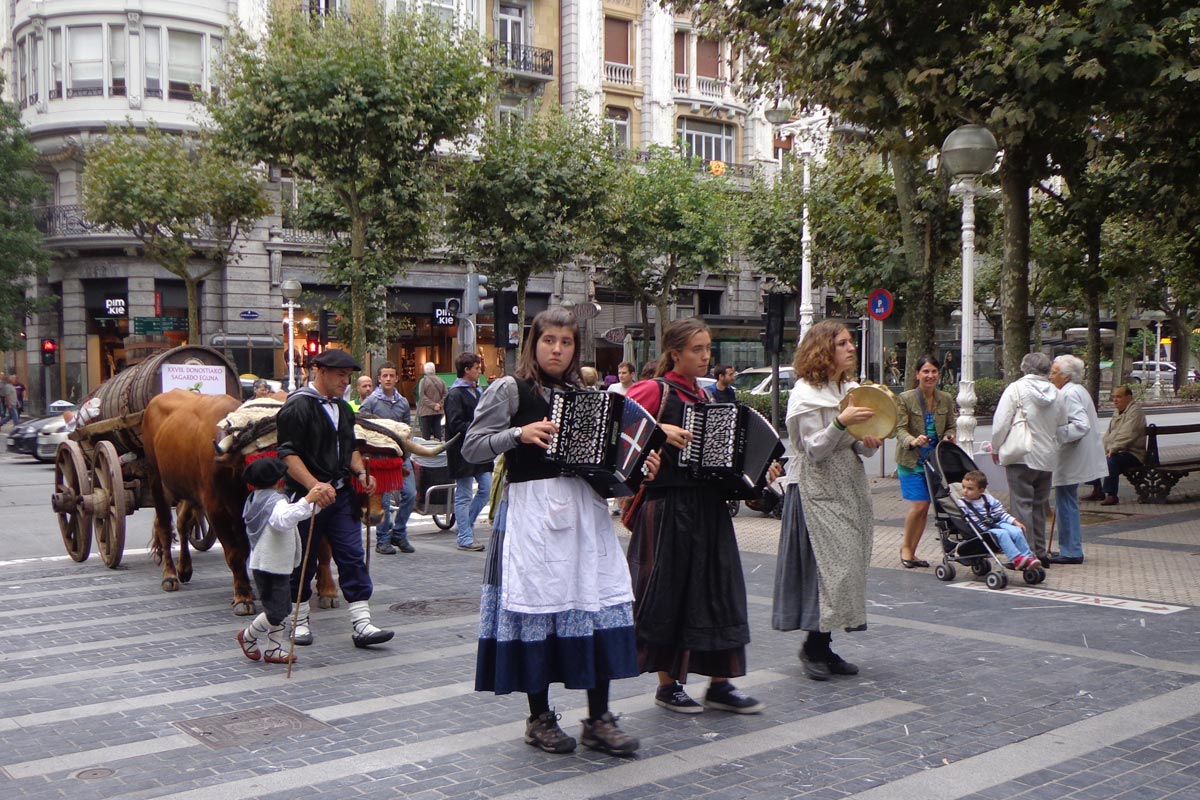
x,y
110,504
71,484
191,521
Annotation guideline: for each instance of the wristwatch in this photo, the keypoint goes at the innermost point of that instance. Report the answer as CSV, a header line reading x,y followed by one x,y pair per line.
x,y
515,433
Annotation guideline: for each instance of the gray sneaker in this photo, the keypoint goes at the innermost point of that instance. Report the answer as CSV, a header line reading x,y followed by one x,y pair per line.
x,y
385,548
543,731
604,735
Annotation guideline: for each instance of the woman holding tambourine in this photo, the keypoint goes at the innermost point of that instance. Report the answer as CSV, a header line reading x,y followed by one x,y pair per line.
x,y
925,416
828,522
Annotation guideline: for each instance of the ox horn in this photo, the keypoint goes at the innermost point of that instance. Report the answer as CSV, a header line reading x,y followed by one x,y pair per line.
x,y
414,449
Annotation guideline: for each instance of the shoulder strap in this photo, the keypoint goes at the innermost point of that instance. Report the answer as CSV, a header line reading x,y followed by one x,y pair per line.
x,y
662,399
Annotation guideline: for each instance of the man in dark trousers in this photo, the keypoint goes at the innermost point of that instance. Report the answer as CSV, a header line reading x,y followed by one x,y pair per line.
x,y
316,441
472,482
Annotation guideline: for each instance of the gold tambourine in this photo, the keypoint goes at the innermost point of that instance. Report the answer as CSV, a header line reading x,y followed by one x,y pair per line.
x,y
879,399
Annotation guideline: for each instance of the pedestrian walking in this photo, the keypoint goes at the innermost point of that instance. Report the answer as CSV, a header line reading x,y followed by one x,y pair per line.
x,y
472,482
828,523
385,400
683,555
557,601
275,552
316,441
431,397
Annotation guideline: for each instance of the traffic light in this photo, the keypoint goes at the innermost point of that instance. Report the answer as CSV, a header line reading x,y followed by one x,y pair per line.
x,y
475,299
49,352
325,322
313,345
773,322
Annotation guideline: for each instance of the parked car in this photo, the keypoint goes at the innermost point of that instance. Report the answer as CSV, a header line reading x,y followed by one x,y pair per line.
x,y
52,434
248,386
758,380
1145,371
24,438
707,383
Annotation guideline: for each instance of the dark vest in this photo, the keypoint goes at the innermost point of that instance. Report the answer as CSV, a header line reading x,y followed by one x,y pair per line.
x,y
527,462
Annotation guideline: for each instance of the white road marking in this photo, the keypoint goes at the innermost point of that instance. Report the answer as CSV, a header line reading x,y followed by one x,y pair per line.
x,y
1122,603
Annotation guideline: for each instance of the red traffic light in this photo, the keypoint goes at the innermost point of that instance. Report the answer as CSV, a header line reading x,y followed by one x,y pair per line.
x,y
49,345
313,345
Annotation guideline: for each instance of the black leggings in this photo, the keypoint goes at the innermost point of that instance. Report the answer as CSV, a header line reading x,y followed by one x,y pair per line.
x,y
275,592
539,703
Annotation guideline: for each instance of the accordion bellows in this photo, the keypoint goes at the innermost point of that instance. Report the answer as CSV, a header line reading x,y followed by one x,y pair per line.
x,y
603,438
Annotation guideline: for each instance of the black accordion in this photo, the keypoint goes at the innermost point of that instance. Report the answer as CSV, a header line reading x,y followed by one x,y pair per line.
x,y
603,438
732,446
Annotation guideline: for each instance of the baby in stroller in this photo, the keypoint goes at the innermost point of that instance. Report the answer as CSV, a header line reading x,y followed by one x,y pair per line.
x,y
986,513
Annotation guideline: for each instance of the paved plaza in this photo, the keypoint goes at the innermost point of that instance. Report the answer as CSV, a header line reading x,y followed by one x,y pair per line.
x,y
1087,687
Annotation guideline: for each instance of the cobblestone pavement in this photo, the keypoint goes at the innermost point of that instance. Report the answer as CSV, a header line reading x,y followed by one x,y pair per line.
x,y
1082,689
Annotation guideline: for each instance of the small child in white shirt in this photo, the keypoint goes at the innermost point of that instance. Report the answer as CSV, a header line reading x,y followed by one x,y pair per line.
x,y
275,551
987,514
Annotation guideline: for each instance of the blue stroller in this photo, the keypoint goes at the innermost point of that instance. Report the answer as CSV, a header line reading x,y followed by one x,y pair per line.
x,y
962,542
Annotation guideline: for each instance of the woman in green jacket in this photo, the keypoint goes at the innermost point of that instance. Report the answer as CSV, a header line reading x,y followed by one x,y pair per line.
x,y
925,416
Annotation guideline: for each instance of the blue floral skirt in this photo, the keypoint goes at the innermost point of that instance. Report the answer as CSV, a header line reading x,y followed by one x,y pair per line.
x,y
528,652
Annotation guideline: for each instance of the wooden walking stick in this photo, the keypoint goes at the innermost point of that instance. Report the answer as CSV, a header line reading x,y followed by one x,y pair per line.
x,y
366,511
300,592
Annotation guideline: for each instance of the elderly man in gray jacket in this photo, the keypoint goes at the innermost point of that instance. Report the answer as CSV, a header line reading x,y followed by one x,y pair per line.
x,y
1080,460
1025,441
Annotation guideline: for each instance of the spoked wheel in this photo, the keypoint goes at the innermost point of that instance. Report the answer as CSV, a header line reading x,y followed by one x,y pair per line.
x,y
191,522
71,485
110,504
996,580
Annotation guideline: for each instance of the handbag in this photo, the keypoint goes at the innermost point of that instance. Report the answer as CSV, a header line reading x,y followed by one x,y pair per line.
x,y
1019,442
633,504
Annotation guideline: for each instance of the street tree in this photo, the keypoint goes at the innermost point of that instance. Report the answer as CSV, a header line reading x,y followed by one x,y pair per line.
x,y
358,104
529,203
22,259
186,204
669,219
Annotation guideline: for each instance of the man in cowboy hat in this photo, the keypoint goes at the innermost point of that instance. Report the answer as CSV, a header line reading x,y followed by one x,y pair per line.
x,y
316,441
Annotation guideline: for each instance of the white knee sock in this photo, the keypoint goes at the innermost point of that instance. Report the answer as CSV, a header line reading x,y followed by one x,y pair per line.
x,y
257,629
360,617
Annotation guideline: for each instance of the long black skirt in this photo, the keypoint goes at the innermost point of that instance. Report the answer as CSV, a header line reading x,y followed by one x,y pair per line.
x,y
689,591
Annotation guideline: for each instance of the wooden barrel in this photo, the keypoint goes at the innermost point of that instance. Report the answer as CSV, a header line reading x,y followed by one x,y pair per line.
x,y
131,390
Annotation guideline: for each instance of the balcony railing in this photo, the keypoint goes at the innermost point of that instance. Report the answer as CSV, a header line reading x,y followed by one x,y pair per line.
x,y
523,58
618,73
681,83
732,170
54,221
710,87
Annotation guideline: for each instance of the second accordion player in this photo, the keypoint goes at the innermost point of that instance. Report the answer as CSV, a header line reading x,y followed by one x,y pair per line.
x,y
732,446
603,438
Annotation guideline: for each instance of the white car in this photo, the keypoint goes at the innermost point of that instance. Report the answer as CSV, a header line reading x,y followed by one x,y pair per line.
x,y
49,438
758,380
1144,372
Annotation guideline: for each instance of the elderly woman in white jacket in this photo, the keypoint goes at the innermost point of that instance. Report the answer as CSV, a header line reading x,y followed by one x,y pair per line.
x,y
1080,459
1025,440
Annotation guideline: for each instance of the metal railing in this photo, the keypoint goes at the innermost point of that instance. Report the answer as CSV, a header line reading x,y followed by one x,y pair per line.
x,y
522,58
56,221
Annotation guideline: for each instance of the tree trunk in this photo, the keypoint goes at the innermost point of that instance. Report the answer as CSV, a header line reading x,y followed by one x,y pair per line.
x,y
918,312
1124,313
193,301
360,294
1091,288
645,348
1014,269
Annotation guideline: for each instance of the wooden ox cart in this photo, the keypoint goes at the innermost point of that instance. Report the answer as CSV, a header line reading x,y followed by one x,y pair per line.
x,y
100,472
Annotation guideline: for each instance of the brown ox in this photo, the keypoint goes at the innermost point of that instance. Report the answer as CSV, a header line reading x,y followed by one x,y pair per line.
x,y
178,430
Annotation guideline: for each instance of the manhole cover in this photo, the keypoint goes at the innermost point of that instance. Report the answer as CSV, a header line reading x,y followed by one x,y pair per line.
x,y
438,606
94,773
249,727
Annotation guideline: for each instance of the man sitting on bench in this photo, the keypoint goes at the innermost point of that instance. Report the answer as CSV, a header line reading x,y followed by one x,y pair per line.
x,y
1124,444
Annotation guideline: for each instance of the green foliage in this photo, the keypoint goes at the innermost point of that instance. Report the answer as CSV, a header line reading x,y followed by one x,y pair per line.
x,y
762,402
987,394
171,195
668,219
22,259
1189,392
528,204
356,104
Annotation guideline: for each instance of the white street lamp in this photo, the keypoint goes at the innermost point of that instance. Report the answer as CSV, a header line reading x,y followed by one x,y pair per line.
x,y
967,153
1156,317
291,290
806,290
